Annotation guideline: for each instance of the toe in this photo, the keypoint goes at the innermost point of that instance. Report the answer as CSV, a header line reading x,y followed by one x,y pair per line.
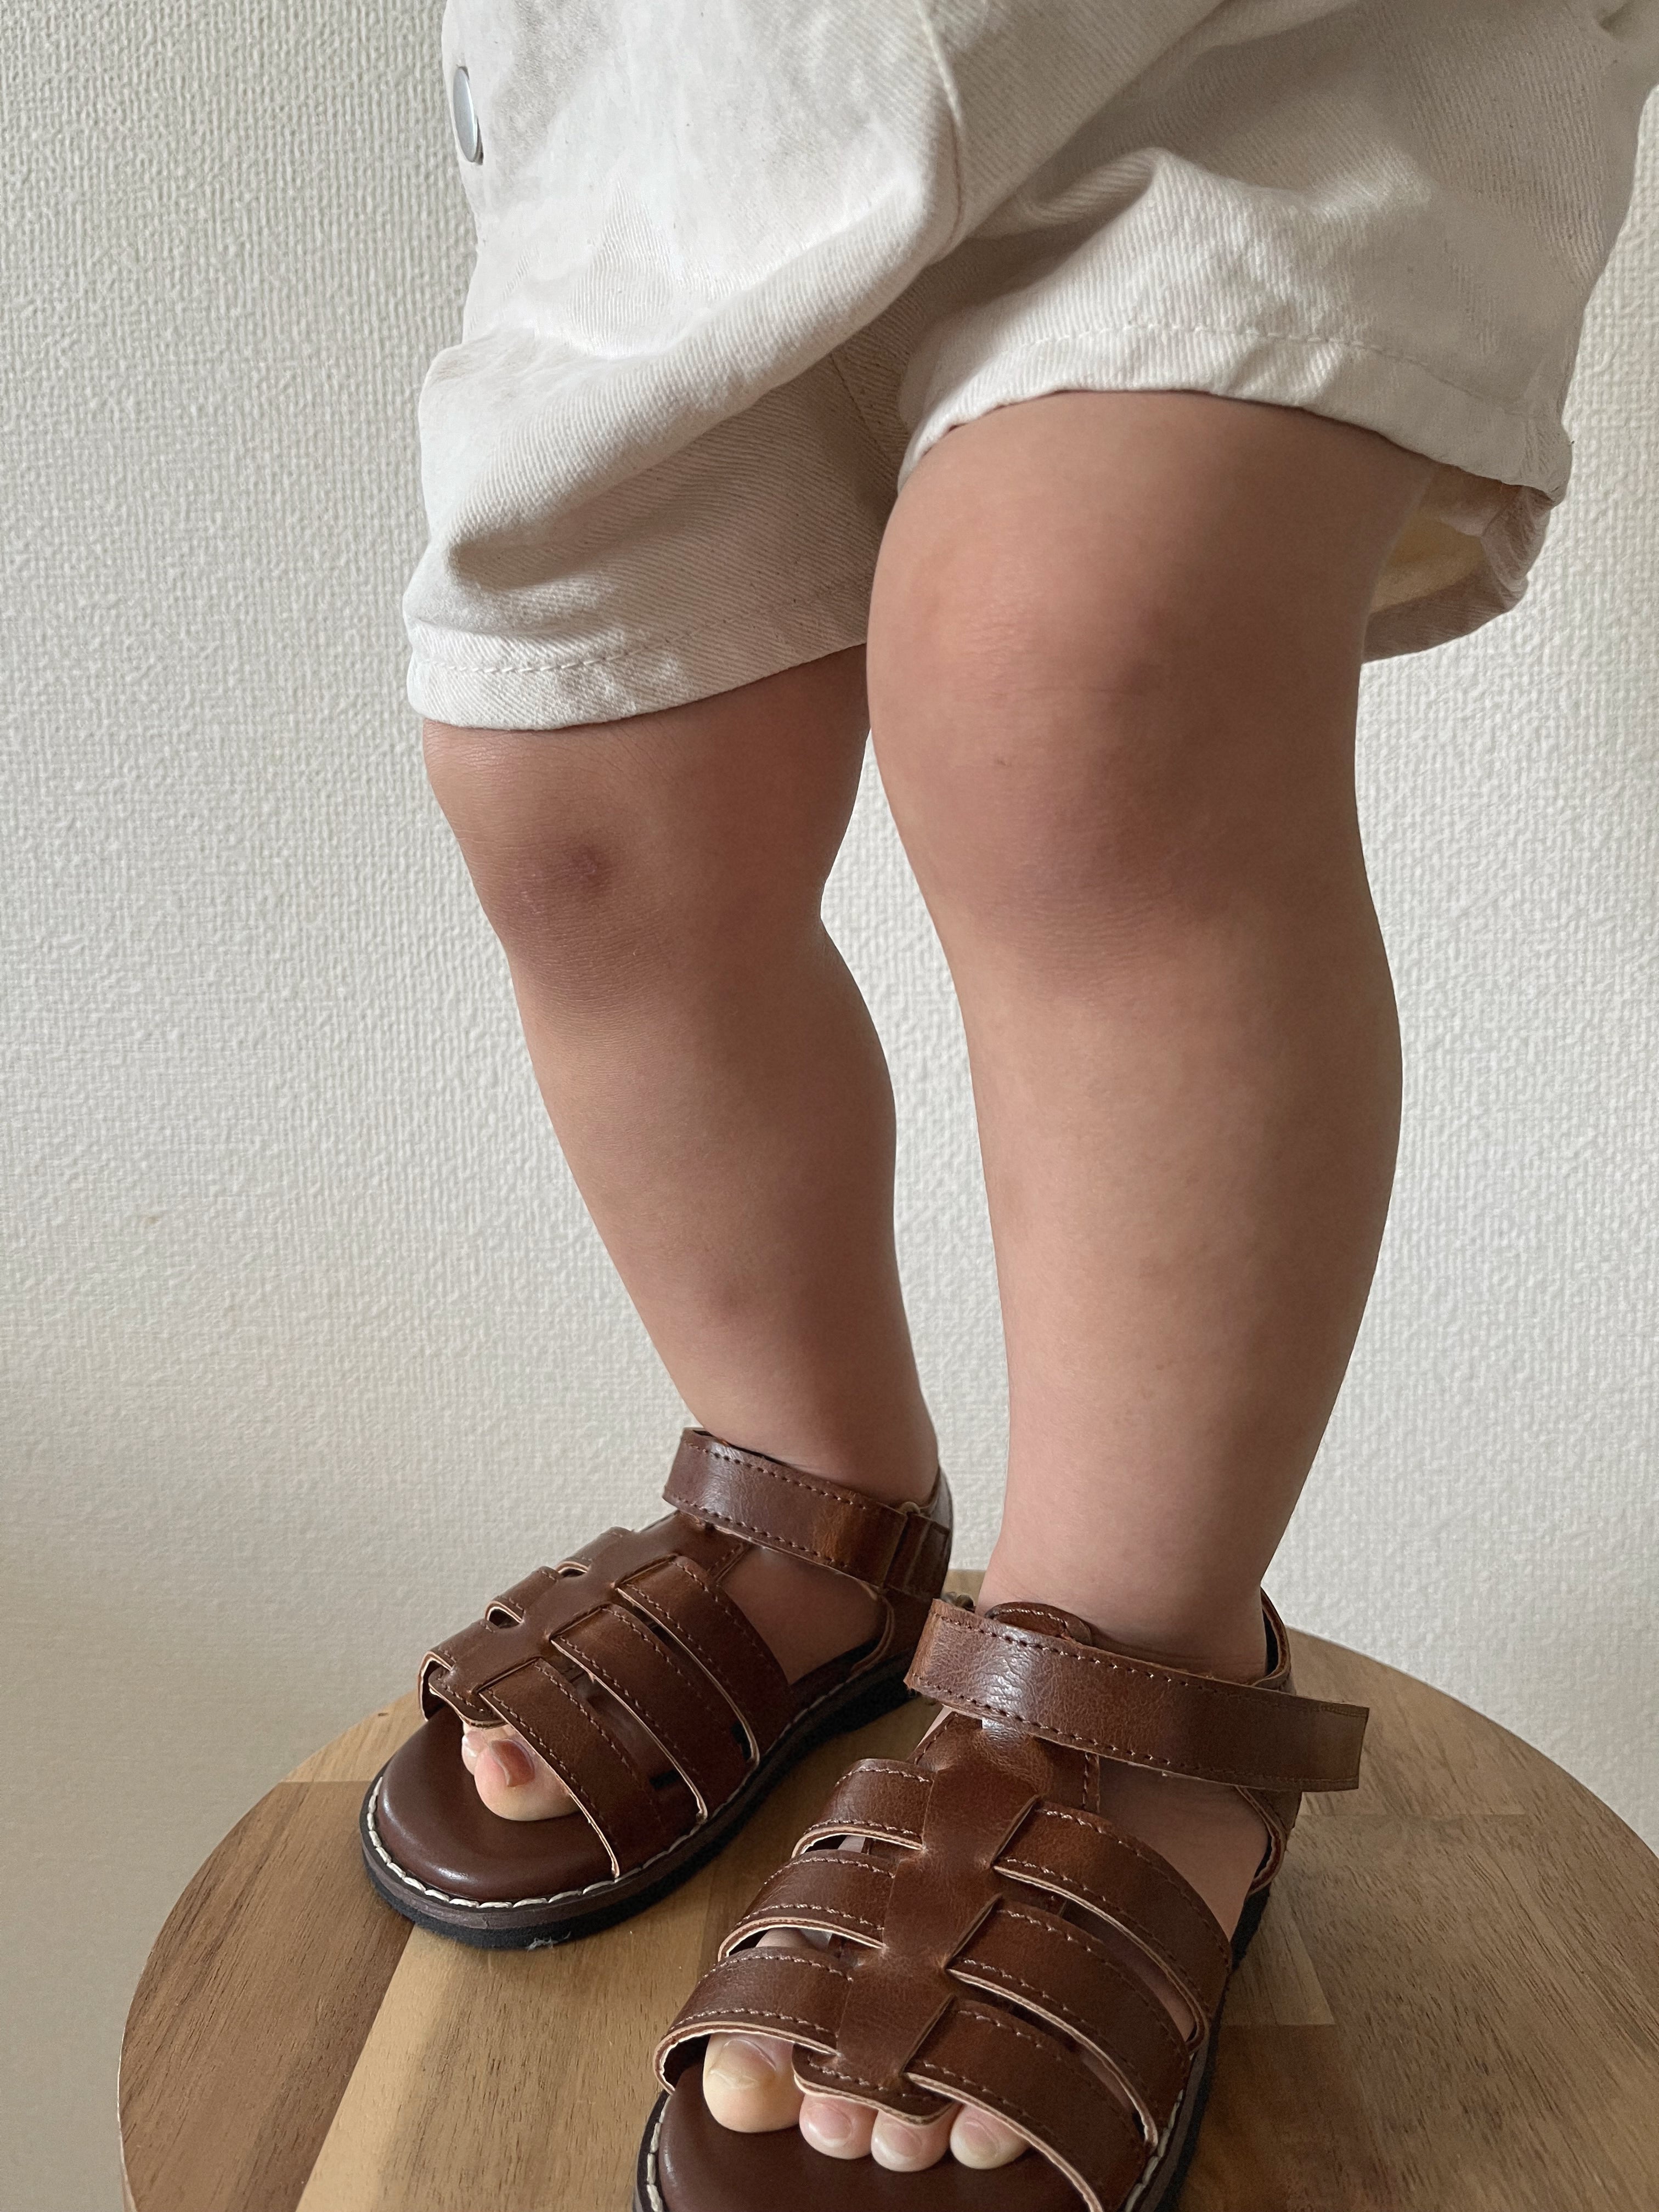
x,y
510,1777
981,2140
907,2146
749,2083
837,2127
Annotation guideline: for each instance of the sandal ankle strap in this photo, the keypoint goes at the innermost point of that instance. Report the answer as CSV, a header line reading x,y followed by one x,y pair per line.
x,y
1141,1711
900,1549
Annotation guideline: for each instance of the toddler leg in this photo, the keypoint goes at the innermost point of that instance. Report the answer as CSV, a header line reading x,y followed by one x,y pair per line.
x,y
1113,665
716,1086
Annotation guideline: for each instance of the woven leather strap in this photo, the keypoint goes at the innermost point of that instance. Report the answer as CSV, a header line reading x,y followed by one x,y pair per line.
x,y
954,1989
899,1548
1136,1710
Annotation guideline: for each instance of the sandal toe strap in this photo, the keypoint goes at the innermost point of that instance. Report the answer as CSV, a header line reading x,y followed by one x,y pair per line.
x,y
1061,1972
1080,1858
616,1800
626,1660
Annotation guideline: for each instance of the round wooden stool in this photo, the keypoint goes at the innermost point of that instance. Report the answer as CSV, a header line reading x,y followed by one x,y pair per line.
x,y
1453,2005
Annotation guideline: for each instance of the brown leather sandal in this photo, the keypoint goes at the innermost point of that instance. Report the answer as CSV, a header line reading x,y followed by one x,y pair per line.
x,y
649,1694
994,1940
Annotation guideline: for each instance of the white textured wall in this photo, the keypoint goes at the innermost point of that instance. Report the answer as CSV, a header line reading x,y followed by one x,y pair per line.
x,y
307,1344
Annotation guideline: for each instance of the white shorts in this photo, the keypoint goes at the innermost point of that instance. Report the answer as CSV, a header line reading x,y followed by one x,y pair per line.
x,y
742,262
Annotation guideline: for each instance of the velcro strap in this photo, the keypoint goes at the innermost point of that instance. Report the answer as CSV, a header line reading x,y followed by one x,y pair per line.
x,y
1135,1709
765,1501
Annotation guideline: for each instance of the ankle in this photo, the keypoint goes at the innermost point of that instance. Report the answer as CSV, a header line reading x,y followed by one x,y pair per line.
x,y
1211,1632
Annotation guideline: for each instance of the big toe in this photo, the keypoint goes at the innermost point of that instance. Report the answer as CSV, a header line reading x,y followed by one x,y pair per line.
x,y
511,1778
749,2083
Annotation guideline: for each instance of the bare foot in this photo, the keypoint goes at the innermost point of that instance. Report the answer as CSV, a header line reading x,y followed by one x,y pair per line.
x,y
807,1616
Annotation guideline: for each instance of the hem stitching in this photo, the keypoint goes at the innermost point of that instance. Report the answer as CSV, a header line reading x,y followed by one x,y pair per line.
x,y
535,664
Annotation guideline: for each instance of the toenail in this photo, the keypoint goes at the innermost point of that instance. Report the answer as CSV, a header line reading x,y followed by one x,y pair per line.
x,y
512,1764
830,2124
741,2063
973,2140
898,2140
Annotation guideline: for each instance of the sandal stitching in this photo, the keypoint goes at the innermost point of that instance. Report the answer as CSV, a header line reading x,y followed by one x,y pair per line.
x,y
692,1683
753,1923
819,1486
770,1540
1196,1685
1100,1747
1096,1900
693,1643
1189,1909
896,1770
1155,2017
1004,2106
854,2081
618,1758
1043,2044
1067,2018
757,1918
832,1492
874,1770
801,1959
651,2188
861,1828
995,2098
712,2020
865,1865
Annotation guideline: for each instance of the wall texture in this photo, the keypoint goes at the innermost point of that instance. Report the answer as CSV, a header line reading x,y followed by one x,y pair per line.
x,y
307,1344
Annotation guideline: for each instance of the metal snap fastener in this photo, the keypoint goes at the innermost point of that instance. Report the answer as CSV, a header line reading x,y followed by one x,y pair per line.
x,y
467,133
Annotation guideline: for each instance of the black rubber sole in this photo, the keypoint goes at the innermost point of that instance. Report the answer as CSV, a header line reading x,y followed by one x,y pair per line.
x,y
1166,2195
510,1929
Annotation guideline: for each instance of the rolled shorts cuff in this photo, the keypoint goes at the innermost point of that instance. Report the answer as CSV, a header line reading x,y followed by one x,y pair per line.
x,y
513,684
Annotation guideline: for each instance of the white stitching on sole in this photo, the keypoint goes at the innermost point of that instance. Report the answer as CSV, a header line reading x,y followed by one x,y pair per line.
x,y
651,2188
482,1904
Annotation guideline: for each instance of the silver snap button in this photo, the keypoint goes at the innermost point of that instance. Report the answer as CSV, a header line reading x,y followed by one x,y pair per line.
x,y
467,133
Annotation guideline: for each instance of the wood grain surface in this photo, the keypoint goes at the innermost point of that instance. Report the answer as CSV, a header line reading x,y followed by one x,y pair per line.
x,y
1453,2005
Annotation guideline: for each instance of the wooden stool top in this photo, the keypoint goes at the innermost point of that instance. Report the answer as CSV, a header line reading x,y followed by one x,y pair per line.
x,y
1453,2005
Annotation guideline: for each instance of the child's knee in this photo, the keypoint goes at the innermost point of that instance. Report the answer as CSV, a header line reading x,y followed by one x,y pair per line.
x,y
611,869
561,847
1077,789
